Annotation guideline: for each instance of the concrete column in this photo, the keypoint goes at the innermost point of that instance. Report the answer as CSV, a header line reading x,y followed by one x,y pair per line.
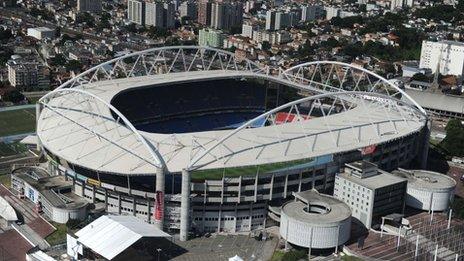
x,y
185,205
299,182
83,188
38,110
148,210
271,187
313,182
93,194
239,189
256,188
106,199
119,204
286,186
160,179
134,206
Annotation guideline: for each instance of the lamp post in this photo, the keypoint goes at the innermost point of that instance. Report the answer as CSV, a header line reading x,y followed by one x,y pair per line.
x,y
159,252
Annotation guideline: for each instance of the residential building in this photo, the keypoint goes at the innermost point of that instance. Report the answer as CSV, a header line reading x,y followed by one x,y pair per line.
x,y
204,12
247,30
188,9
445,57
331,12
136,11
370,192
41,33
210,37
154,14
226,15
27,75
270,20
311,12
91,6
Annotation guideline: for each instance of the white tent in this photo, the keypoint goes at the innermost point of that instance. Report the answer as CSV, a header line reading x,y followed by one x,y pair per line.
x,y
110,235
235,258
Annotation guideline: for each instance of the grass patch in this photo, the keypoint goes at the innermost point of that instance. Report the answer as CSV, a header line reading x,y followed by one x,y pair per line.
x,y
292,255
5,179
278,255
17,122
9,149
59,235
245,171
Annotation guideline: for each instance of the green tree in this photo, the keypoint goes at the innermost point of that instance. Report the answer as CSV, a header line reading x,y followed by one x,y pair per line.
x,y
73,65
265,46
454,140
13,96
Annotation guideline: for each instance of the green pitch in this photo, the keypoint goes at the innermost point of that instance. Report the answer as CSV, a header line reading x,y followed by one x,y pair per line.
x,y
17,122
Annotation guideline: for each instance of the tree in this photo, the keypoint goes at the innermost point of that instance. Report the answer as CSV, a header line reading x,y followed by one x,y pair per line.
x,y
13,96
420,77
454,140
265,46
5,35
73,65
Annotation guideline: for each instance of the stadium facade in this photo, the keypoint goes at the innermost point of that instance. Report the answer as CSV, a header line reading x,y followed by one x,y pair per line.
x,y
194,140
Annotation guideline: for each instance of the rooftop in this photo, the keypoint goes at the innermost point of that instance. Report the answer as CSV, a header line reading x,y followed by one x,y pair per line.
x,y
376,181
425,179
256,146
319,209
437,100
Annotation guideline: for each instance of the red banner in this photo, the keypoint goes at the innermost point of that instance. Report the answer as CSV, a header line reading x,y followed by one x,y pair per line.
x,y
159,206
368,150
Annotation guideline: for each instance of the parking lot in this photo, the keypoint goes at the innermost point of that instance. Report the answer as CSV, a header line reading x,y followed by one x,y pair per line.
x,y
222,247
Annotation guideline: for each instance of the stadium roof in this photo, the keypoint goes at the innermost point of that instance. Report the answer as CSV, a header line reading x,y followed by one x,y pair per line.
x,y
110,235
77,123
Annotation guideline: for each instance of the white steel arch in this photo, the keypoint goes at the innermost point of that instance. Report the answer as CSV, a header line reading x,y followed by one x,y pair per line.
x,y
345,98
158,161
320,74
170,59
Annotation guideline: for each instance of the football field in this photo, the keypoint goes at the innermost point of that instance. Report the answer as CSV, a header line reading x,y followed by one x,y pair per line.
x,y
15,122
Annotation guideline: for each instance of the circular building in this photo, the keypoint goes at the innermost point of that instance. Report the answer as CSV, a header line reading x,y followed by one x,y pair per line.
x,y
315,220
428,190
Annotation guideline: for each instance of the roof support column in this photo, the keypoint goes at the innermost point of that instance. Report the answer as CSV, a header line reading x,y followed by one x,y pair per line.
x,y
185,205
38,110
159,206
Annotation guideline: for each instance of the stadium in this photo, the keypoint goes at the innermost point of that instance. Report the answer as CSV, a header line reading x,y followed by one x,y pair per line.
x,y
195,140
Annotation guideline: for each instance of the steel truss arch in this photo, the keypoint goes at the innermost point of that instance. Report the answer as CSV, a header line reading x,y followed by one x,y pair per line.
x,y
169,59
57,109
325,75
345,98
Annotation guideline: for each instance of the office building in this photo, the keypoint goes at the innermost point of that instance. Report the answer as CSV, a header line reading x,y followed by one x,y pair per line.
x,y
370,192
446,57
91,6
136,11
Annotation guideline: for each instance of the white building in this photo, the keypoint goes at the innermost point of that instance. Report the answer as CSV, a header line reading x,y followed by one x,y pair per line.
x,y
92,6
154,13
446,56
370,192
331,12
188,9
41,33
247,30
210,37
27,75
136,11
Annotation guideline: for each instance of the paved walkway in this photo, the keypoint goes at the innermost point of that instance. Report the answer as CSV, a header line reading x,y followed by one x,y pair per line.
x,y
18,107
